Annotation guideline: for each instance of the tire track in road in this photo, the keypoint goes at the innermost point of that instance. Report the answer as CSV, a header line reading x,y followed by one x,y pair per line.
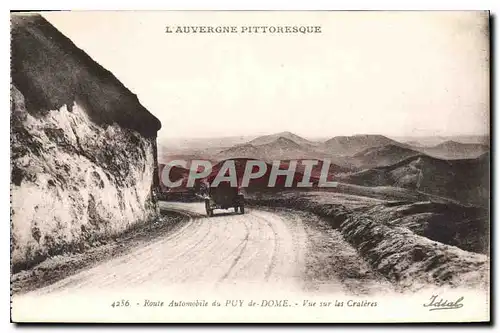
x,y
197,263
273,259
156,259
243,245
274,256
223,248
261,247
112,275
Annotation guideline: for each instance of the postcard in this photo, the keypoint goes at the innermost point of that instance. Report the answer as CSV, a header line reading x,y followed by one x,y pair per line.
x,y
250,167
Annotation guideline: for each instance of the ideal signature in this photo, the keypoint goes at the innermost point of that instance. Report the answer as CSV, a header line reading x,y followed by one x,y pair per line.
x,y
444,304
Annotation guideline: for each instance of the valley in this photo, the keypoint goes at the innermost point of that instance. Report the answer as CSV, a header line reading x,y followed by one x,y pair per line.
x,y
450,170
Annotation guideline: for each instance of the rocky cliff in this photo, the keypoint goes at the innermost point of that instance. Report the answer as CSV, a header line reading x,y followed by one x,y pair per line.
x,y
83,149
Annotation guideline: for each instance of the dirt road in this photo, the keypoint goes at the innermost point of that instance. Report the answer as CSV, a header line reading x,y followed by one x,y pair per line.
x,y
292,250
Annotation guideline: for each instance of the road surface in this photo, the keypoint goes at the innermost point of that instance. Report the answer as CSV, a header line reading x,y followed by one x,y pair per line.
x,y
285,261
286,249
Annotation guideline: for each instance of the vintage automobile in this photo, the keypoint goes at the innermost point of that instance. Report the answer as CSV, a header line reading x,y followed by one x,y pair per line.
x,y
224,197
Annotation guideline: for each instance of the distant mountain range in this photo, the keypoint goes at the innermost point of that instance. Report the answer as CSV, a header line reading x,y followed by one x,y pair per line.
x,y
352,152
429,141
456,147
456,150
286,145
450,169
272,148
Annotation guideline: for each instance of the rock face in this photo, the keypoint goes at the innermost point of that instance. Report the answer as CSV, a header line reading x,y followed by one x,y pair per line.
x,y
83,149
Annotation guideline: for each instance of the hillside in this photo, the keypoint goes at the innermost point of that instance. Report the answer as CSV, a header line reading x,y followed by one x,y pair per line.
x,y
382,155
414,144
412,243
266,139
464,180
283,148
333,171
350,145
258,183
279,148
83,149
456,150
243,150
177,173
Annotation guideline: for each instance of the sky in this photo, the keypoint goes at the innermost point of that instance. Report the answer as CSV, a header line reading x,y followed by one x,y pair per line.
x,y
390,73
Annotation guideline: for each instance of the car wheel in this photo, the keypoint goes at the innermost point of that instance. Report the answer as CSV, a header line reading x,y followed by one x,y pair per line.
x,y
207,208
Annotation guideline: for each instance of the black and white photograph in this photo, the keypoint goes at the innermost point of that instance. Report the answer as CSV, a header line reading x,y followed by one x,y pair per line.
x,y
250,166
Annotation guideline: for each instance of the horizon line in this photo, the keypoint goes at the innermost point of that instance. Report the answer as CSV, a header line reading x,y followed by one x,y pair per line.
x,y
326,136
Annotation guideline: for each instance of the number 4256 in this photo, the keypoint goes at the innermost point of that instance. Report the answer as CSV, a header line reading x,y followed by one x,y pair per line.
x,y
120,303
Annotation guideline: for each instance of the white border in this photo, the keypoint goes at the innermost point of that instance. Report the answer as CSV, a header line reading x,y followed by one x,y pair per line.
x,y
492,5
254,5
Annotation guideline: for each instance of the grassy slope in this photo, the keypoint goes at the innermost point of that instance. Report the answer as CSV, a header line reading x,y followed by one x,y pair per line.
x,y
399,247
464,180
